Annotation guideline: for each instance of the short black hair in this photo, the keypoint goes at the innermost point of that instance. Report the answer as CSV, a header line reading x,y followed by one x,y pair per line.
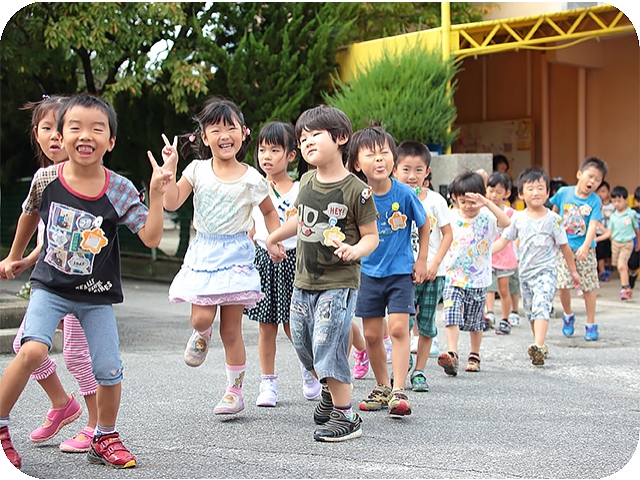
x,y
329,119
595,162
369,137
604,184
280,134
498,159
467,182
533,174
636,194
411,148
497,178
88,100
619,191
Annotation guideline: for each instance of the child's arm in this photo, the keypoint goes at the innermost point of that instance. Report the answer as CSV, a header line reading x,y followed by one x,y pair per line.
x,y
420,265
151,233
605,236
503,219
568,255
583,251
445,243
27,225
499,245
368,243
270,214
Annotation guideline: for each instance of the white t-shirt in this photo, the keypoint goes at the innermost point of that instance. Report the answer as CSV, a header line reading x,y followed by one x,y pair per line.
x,y
221,207
285,208
438,214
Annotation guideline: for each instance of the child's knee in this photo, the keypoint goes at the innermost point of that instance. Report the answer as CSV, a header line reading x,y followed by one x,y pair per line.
x,y
32,354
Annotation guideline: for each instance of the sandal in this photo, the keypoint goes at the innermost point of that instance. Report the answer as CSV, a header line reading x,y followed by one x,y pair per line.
x,y
473,363
449,361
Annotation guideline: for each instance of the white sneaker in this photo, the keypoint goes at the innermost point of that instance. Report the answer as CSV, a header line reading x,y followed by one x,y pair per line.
x,y
268,396
435,350
230,404
514,318
414,344
311,387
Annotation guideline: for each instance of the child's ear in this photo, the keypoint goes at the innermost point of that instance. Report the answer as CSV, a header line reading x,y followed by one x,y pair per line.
x,y
342,139
112,143
291,156
204,138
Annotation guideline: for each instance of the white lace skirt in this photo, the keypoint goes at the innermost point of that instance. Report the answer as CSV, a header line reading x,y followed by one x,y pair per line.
x,y
218,270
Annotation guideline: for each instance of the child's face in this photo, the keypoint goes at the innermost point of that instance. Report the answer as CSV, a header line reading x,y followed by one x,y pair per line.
x,y
620,203
412,171
466,207
47,137
603,193
376,163
498,194
318,148
86,136
534,193
273,159
588,181
225,141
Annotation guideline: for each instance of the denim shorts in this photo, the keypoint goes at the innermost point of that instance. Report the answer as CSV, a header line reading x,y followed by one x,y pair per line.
x,y
379,296
320,324
44,311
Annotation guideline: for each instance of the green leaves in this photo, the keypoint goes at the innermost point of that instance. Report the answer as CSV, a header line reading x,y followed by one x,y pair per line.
x,y
406,92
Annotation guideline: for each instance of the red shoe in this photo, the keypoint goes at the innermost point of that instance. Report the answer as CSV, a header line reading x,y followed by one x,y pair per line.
x,y
109,450
59,417
7,446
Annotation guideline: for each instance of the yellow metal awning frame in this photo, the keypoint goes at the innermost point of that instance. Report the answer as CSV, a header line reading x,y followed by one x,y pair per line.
x,y
539,32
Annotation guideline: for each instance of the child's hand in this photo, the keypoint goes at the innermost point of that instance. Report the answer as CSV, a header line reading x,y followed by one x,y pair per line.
x,y
432,271
346,252
276,251
170,154
483,173
160,178
582,252
7,269
637,247
419,272
576,279
476,199
20,266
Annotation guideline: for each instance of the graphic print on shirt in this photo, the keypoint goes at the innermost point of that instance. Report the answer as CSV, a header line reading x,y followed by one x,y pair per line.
x,y
390,222
74,237
573,216
474,257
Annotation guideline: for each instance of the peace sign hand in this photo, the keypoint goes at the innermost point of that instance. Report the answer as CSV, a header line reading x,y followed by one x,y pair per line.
x,y
170,154
160,177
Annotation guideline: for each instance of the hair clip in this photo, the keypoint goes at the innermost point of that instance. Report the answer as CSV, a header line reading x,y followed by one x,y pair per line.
x,y
247,132
45,97
192,138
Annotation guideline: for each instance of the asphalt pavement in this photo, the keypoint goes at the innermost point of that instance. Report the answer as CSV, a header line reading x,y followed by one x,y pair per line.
x,y
578,416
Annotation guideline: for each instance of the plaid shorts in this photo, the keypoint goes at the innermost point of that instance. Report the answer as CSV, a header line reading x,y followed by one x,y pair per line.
x,y
587,269
464,307
428,295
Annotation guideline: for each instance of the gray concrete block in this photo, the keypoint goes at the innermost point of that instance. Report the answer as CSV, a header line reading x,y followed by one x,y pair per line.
x,y
444,168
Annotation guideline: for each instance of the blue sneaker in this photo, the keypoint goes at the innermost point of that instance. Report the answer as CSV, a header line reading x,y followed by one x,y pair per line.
x,y
591,334
567,327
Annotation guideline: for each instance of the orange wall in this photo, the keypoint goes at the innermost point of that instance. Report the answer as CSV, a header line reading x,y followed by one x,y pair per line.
x,y
563,112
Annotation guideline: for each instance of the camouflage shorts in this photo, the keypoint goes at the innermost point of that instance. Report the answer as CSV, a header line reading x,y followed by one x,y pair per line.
x,y
587,269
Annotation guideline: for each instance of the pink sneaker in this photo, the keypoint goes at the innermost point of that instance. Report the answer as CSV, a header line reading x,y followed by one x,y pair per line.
x,y
73,445
58,418
361,367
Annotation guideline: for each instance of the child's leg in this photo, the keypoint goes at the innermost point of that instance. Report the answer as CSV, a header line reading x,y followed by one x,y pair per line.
x,y
539,328
373,329
452,334
231,334
267,347
340,392
623,270
505,296
475,340
202,317
357,340
399,331
490,302
590,305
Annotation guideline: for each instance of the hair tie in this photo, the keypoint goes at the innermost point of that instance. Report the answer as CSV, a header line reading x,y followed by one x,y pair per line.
x,y
192,138
247,132
45,97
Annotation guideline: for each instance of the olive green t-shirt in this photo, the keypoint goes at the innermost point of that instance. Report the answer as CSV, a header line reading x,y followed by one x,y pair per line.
x,y
327,211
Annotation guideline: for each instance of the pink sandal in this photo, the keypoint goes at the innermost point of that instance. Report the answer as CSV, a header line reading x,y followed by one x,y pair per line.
x,y
59,417
75,446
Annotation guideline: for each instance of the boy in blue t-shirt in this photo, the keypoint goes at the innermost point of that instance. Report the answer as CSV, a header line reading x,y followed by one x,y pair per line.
x,y
390,271
581,210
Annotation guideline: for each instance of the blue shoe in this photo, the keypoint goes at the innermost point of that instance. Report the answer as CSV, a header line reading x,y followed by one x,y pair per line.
x,y
567,327
591,334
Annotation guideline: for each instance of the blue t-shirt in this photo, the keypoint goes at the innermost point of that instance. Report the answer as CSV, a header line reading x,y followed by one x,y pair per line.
x,y
577,213
397,210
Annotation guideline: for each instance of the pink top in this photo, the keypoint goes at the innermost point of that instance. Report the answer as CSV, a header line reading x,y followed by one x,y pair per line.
x,y
506,259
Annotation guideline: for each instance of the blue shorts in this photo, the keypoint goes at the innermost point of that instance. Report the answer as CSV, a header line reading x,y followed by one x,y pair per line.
x,y
379,296
320,324
464,307
44,311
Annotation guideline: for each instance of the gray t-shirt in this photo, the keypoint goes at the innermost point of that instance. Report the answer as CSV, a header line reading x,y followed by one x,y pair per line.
x,y
540,241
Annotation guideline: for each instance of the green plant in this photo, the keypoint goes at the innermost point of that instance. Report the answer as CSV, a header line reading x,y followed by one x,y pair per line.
x,y
410,93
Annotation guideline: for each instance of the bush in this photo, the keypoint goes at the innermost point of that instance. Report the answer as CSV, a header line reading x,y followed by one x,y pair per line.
x,y
406,92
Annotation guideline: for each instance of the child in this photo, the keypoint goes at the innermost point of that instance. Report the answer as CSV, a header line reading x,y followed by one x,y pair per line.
x,y
64,408
541,235
82,204
218,268
468,266
335,228
634,260
412,168
625,237
581,210
603,245
275,150
388,274
505,262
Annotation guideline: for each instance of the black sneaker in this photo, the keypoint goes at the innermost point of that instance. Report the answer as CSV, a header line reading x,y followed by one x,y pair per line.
x,y
504,328
338,428
323,410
